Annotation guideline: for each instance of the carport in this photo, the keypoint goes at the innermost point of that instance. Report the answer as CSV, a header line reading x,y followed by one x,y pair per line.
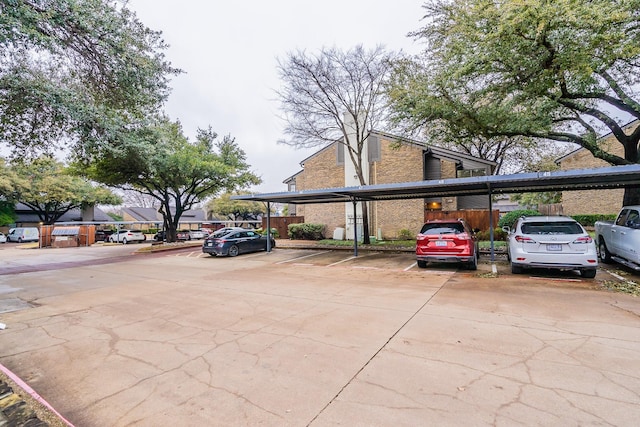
x,y
565,180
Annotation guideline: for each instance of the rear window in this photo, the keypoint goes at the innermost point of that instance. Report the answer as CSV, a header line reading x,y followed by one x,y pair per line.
x,y
440,228
568,227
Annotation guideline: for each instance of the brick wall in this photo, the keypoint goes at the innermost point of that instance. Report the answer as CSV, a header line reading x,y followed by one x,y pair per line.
x,y
592,201
322,171
398,163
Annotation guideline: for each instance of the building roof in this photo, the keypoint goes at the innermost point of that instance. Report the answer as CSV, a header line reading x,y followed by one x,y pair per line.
x,y
559,160
576,179
143,214
438,152
27,215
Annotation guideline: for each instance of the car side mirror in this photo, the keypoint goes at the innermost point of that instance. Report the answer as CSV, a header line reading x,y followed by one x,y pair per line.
x,y
506,229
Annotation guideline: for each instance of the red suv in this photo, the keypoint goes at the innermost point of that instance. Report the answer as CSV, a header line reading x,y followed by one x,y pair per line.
x,y
447,240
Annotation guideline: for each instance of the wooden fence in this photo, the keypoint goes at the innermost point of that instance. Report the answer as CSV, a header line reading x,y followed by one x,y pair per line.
x,y
475,218
281,223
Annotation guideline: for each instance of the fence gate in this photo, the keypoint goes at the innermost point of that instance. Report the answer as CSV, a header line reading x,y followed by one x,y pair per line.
x,y
281,223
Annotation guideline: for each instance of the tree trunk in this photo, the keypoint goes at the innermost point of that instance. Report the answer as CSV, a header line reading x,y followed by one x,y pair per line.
x,y
631,196
365,224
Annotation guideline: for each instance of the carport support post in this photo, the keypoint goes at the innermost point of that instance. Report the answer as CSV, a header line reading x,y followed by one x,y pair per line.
x,y
355,227
268,227
493,253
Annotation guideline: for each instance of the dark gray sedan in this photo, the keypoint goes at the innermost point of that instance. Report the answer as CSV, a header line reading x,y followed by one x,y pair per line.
x,y
235,242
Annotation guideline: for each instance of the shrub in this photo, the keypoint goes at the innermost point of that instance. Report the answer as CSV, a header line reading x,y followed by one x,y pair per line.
x,y
306,231
510,218
498,234
406,234
589,220
274,232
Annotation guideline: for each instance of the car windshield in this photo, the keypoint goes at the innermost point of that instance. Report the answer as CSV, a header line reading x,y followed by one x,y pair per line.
x,y
567,227
439,228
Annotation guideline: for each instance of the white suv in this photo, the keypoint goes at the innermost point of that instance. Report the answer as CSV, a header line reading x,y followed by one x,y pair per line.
x,y
554,242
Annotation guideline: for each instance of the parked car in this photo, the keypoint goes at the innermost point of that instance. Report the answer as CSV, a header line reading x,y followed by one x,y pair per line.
x,y
127,236
183,235
620,240
196,234
552,242
160,236
235,242
3,238
225,230
23,234
103,235
450,240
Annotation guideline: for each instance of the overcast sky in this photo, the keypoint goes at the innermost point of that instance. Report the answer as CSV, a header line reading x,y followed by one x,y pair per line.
x,y
228,50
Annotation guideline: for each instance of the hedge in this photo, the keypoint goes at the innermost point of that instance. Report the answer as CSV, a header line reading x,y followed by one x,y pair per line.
x,y
306,231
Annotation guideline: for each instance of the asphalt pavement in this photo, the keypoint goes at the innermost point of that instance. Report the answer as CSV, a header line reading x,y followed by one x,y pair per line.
x,y
316,337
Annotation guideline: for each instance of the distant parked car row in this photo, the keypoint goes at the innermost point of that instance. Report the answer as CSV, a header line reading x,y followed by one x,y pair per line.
x,y
161,236
20,235
549,242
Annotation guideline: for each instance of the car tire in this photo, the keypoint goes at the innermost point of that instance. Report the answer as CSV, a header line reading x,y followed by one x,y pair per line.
x,y
603,252
588,274
422,264
19,239
124,241
233,251
213,255
516,269
473,265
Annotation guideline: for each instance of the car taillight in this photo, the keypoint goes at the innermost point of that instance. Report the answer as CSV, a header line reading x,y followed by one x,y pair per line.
x,y
421,237
583,240
524,239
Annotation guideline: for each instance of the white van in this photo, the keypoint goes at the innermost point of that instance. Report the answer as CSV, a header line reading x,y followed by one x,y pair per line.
x,y
23,234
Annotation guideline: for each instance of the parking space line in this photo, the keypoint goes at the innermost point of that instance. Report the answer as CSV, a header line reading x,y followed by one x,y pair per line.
x,y
349,259
410,267
302,257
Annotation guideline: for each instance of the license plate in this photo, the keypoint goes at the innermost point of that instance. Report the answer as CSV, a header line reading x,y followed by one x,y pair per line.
x,y
441,243
554,247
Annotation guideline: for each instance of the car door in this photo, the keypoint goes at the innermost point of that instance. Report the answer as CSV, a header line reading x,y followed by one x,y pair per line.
x,y
628,235
618,231
254,242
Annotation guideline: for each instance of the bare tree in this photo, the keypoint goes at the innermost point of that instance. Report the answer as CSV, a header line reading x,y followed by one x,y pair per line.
x,y
335,96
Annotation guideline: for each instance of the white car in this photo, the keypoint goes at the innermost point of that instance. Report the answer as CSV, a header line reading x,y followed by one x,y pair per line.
x,y
127,236
553,242
3,238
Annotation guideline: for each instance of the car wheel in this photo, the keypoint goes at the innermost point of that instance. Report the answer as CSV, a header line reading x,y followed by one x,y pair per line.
x,y
213,255
19,239
233,250
422,264
605,255
588,274
473,265
124,241
516,269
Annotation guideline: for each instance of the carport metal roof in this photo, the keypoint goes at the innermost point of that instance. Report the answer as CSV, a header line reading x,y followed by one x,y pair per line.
x,y
568,180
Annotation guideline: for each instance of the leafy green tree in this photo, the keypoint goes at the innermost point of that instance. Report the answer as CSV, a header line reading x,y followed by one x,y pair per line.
x,y
45,186
161,162
76,73
237,211
559,70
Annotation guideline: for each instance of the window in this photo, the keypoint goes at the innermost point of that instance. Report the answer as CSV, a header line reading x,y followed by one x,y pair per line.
x,y
465,173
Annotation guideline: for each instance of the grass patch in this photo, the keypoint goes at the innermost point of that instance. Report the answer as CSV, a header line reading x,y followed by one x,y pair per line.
x,y
497,244
627,287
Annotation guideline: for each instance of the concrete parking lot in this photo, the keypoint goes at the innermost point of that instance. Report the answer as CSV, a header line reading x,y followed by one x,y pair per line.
x,y
314,337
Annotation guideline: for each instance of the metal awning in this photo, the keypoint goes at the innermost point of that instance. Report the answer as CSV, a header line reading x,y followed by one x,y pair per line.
x,y
565,180
66,231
